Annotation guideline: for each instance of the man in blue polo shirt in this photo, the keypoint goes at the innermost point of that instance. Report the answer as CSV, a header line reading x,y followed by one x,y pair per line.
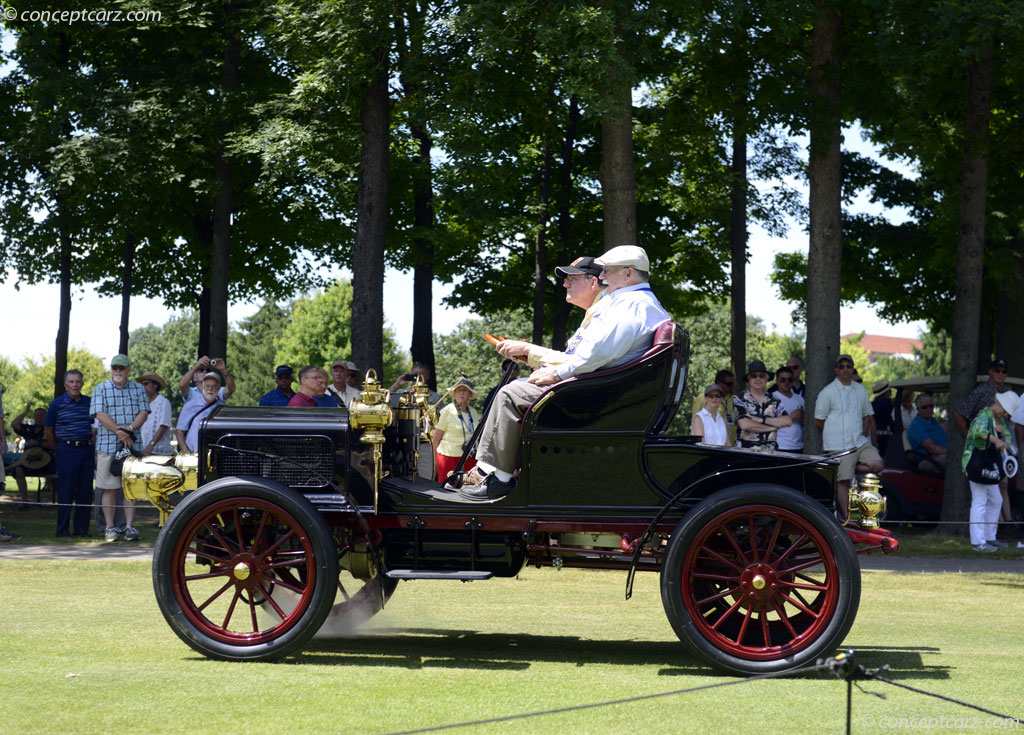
x,y
927,437
68,428
283,392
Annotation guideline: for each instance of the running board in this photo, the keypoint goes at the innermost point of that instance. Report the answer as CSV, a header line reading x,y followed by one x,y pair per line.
x,y
438,574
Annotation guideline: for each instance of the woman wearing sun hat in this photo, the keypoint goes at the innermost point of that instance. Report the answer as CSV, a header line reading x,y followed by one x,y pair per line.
x,y
990,426
455,425
758,413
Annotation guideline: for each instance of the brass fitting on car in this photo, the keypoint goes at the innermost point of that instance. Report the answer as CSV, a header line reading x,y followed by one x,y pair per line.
x,y
157,477
867,499
372,413
419,396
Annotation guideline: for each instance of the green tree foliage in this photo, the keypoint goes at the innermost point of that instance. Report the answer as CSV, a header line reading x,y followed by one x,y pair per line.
x,y
33,383
319,332
169,350
252,347
464,350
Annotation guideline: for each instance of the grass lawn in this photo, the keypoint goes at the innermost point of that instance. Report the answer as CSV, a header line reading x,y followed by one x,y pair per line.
x,y
86,650
37,524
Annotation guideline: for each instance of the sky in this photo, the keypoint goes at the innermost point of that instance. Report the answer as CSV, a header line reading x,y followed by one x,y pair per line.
x,y
31,313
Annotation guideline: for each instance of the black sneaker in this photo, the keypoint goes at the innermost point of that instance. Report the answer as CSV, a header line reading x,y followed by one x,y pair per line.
x,y
491,488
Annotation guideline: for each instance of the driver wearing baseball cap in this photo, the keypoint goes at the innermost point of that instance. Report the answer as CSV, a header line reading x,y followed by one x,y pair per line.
x,y
583,288
621,330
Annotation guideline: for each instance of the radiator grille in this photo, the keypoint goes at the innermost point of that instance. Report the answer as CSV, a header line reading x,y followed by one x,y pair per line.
x,y
315,454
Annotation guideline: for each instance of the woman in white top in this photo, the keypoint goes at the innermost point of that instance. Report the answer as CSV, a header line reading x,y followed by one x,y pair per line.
x,y
708,423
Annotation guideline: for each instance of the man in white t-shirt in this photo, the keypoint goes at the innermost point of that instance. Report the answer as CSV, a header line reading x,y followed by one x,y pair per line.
x,y
156,432
844,415
789,438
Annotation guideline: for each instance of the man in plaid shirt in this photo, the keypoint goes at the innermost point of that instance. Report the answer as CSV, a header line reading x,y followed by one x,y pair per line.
x,y
121,407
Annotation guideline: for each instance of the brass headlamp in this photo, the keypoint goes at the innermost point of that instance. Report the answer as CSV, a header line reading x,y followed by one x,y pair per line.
x,y
372,413
867,499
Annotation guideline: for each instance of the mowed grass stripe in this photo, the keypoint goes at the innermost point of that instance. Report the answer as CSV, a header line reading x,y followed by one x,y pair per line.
x,y
86,650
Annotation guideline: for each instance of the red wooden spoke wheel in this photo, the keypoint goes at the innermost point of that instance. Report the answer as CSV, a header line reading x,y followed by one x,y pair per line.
x,y
245,569
760,579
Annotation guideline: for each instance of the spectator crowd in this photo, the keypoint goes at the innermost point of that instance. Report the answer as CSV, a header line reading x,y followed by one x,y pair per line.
x,y
82,439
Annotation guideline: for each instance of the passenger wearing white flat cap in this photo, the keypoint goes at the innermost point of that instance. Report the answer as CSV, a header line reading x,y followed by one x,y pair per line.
x,y
341,389
621,330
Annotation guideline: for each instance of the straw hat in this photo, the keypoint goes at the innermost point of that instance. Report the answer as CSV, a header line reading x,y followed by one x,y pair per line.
x,y
150,375
34,458
464,383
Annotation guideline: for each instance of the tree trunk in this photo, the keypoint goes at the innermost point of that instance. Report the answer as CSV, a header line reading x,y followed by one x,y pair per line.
x,y
1009,307
60,365
824,258
64,317
970,251
540,251
618,176
738,236
986,321
203,348
371,220
561,317
221,253
126,290
410,45
422,347
202,227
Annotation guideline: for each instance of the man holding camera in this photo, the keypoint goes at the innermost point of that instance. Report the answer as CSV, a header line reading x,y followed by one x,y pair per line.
x,y
203,364
121,407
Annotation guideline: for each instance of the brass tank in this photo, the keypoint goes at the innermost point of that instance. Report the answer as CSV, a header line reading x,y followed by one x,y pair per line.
x,y
158,477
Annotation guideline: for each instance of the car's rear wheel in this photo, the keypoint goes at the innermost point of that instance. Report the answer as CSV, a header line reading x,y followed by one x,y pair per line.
x,y
245,570
759,579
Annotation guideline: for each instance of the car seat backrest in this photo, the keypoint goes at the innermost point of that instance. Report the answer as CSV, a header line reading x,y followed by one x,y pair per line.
x,y
637,396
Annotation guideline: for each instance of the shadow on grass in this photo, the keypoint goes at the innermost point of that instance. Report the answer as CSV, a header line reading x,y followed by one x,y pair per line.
x,y
418,648
1013,582
903,662
421,648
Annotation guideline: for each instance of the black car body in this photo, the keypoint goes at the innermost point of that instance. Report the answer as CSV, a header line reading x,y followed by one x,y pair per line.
x,y
293,504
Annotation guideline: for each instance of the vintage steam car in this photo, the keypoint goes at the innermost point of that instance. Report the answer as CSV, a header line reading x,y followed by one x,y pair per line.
x,y
302,514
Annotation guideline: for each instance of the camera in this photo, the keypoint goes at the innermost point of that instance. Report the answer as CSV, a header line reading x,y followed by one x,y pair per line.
x,y
410,377
214,362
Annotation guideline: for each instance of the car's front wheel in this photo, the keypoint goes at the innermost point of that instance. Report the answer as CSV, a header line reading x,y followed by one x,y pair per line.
x,y
760,579
245,570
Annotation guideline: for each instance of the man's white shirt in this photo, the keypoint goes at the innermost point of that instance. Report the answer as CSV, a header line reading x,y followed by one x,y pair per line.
x,y
619,332
842,408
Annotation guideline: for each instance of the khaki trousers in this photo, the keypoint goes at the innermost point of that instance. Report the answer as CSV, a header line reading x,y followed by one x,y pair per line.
x,y
499,441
